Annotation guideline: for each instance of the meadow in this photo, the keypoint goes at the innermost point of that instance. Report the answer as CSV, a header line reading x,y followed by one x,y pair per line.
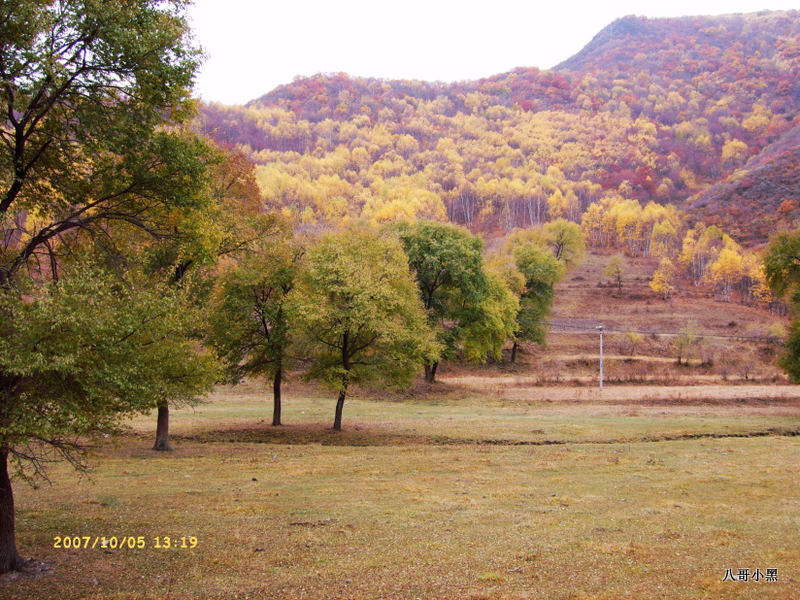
x,y
483,486
525,480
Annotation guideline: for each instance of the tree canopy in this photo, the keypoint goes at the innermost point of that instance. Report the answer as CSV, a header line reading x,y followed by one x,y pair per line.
x,y
86,88
531,272
92,153
360,312
447,261
248,313
782,267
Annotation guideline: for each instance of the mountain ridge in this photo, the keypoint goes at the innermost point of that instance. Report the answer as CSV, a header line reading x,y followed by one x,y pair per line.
x,y
650,109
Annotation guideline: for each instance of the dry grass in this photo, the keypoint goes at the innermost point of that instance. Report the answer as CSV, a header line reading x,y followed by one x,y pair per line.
x,y
451,496
528,388
570,357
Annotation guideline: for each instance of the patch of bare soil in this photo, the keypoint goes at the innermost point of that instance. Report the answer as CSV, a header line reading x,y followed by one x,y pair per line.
x,y
31,569
305,434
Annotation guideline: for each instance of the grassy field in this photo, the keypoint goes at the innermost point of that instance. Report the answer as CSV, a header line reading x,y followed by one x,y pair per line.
x,y
486,487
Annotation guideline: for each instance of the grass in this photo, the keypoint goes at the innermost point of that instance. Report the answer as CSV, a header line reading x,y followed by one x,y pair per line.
x,y
462,494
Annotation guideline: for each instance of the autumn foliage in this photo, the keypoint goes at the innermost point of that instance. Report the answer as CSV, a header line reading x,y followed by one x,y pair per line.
x,y
652,110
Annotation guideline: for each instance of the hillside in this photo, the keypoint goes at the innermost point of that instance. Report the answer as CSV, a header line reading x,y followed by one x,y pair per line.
x,y
650,110
758,199
641,331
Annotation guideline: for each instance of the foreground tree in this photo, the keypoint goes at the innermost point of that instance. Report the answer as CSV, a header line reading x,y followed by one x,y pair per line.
x,y
362,319
85,89
78,355
485,337
232,222
539,269
447,261
249,323
92,94
502,266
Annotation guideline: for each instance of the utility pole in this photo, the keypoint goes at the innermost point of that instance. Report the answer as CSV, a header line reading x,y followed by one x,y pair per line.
x,y
600,328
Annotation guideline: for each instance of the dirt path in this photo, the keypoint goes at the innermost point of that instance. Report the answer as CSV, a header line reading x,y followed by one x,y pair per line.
x,y
623,357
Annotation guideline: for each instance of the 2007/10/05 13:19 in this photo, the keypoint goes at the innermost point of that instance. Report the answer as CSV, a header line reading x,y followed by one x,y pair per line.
x,y
124,542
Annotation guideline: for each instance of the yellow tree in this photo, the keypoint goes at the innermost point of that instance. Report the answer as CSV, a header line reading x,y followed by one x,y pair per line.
x,y
664,239
727,271
701,247
557,205
753,286
663,281
564,239
615,269
360,312
734,153
592,224
629,225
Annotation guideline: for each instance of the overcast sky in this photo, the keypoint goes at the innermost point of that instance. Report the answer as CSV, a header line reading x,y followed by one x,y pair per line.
x,y
253,46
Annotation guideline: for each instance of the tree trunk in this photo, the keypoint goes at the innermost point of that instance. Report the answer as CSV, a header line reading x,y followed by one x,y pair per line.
x,y
337,420
430,372
514,347
162,428
10,559
276,398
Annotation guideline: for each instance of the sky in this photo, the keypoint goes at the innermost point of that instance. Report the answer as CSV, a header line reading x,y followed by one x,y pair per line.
x,y
252,46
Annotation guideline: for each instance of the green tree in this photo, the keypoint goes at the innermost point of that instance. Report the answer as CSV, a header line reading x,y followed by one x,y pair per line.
x,y
249,322
447,261
541,271
485,337
782,265
782,270
76,356
360,313
615,270
232,222
93,94
563,238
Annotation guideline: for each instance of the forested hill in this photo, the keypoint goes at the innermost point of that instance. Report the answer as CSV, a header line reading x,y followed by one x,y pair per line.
x,y
754,201
686,45
650,109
